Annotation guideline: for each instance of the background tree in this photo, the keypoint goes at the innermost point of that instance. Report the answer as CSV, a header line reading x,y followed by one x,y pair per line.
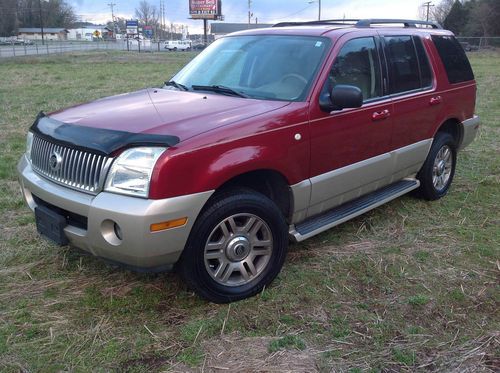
x,y
441,10
26,13
483,19
120,24
8,17
456,19
467,17
147,13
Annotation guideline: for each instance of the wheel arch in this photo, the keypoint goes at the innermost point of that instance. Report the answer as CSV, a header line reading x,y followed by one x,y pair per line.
x,y
271,183
454,127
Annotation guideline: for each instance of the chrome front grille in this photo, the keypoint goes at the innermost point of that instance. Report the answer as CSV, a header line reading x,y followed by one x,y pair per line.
x,y
71,167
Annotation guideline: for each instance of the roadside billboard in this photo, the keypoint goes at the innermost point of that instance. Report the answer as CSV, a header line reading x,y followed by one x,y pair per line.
x,y
209,9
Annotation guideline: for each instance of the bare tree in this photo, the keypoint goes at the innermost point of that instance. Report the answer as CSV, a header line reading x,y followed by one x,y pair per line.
x,y
484,17
441,10
147,13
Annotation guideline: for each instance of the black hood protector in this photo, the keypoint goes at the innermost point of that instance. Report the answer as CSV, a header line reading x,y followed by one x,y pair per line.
x,y
97,140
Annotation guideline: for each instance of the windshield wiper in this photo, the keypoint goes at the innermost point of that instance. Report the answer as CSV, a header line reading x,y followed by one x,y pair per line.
x,y
173,83
219,89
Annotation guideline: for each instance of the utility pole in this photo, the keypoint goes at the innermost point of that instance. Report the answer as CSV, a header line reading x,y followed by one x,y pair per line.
x,y
319,7
428,4
41,21
161,20
250,14
164,25
111,5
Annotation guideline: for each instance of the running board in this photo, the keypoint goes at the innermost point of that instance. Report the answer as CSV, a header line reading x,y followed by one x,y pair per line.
x,y
338,215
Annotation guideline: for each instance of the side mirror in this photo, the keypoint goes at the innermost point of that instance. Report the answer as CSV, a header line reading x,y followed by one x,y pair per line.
x,y
341,97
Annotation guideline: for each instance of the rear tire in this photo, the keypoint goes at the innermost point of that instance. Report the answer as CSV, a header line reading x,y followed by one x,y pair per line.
x,y
436,175
236,247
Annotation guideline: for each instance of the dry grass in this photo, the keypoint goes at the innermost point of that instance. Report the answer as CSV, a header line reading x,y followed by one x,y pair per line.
x,y
411,286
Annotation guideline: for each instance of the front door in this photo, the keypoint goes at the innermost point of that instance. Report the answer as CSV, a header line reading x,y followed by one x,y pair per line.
x,y
349,147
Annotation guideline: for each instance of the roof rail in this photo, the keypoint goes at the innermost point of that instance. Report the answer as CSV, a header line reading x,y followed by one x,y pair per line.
x,y
405,22
322,22
362,23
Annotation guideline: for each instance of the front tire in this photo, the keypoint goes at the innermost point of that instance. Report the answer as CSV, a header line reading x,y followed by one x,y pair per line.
x,y
436,175
236,247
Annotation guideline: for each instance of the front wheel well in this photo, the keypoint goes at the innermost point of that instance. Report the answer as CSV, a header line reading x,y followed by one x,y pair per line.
x,y
270,183
454,128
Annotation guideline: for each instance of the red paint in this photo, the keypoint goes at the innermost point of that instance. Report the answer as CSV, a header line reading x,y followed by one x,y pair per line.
x,y
222,137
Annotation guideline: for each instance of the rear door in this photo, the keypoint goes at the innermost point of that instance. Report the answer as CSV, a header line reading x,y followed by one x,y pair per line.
x,y
416,104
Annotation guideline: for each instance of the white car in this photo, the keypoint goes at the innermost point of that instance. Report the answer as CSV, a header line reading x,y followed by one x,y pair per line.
x,y
175,45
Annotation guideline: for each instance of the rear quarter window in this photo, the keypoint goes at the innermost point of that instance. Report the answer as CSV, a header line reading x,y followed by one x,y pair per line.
x,y
454,59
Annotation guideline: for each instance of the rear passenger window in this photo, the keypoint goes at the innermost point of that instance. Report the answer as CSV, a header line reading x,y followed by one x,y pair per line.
x,y
358,64
423,61
403,63
454,59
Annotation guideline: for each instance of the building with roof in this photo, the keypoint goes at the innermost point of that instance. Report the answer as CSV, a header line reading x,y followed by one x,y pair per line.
x,y
49,33
219,29
90,32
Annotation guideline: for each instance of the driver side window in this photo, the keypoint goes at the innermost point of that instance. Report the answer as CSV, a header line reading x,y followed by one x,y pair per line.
x,y
358,64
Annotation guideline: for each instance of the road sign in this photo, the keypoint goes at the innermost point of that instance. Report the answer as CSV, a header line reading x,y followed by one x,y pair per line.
x,y
148,31
132,26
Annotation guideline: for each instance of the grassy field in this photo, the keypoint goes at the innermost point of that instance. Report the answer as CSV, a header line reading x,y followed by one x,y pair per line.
x,y
409,286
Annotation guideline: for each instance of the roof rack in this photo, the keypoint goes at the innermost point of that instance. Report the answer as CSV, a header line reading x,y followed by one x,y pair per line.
x,y
362,23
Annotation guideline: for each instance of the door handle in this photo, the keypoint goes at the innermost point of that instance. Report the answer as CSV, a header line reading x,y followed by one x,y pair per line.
x,y
379,115
435,100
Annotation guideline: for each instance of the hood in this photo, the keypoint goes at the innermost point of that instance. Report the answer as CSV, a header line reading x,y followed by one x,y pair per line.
x,y
165,112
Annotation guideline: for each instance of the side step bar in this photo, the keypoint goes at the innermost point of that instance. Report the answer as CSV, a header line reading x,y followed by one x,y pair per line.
x,y
338,215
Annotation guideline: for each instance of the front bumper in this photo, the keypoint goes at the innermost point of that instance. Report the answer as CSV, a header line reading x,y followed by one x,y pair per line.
x,y
470,128
139,247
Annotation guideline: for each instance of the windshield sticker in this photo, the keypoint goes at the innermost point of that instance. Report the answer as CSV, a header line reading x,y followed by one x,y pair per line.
x,y
318,44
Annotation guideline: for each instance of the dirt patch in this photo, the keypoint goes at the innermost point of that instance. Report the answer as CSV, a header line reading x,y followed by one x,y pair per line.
x,y
234,353
479,355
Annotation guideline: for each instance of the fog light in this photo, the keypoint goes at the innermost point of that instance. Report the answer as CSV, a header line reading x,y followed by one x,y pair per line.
x,y
168,224
118,231
111,232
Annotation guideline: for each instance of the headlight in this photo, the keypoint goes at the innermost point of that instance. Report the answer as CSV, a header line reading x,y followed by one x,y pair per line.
x,y
29,144
131,171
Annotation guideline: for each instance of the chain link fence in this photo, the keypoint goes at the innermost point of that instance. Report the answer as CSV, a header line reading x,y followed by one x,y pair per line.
x,y
53,47
472,44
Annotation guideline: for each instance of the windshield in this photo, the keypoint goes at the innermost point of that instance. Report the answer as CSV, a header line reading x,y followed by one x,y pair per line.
x,y
263,67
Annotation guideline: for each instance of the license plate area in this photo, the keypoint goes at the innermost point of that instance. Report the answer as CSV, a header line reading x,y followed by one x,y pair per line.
x,y
50,224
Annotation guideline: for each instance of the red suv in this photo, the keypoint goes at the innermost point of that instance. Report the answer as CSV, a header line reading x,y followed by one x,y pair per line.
x,y
267,135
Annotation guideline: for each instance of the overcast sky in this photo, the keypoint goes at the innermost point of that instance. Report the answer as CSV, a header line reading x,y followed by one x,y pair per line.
x,y
267,11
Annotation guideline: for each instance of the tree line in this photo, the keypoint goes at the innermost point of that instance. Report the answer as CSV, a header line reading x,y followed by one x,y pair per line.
x,y
468,17
26,13
463,17
15,14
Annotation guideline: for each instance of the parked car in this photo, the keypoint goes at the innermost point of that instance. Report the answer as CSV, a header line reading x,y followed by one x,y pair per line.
x,y
177,45
199,46
267,136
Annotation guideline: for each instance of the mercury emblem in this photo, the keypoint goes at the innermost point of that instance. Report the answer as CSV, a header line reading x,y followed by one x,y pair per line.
x,y
55,161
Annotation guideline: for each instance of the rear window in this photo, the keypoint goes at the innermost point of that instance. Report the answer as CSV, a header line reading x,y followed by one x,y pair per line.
x,y
454,59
